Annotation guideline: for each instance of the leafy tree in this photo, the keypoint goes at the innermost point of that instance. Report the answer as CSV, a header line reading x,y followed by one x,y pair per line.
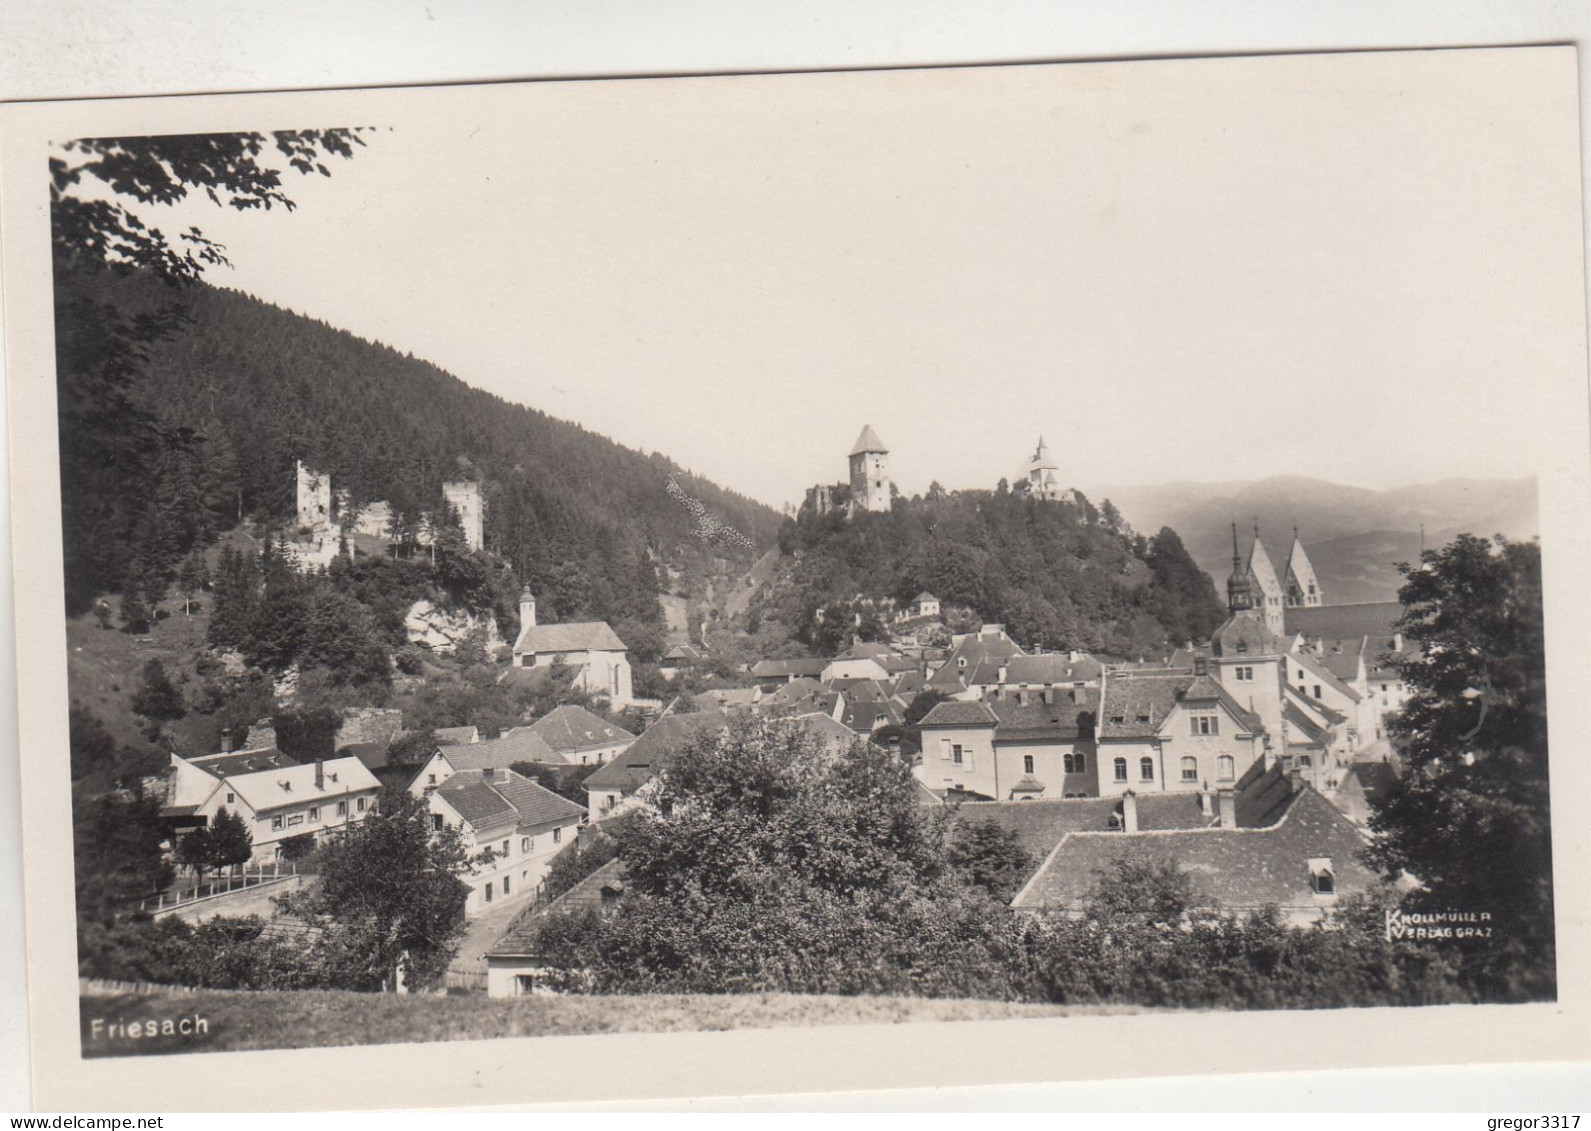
x,y
136,616
162,171
116,852
230,840
307,735
157,699
911,739
194,851
390,895
774,865
1470,817
990,857
193,577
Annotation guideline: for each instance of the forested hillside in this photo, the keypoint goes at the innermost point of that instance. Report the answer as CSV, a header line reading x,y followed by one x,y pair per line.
x,y
184,408
1057,575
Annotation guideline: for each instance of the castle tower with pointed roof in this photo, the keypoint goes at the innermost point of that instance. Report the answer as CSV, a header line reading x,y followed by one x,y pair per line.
x,y
1039,474
870,482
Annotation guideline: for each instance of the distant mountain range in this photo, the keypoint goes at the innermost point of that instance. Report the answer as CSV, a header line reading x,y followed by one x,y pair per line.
x,y
1354,536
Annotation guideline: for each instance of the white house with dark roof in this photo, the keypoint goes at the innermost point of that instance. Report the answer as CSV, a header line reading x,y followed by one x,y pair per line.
x,y
579,737
520,744
601,659
276,798
511,826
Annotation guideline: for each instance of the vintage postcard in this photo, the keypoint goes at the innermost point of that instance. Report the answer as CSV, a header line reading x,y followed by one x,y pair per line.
x,y
770,583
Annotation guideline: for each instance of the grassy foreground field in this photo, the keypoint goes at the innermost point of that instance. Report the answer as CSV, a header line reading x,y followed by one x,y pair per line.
x,y
237,1020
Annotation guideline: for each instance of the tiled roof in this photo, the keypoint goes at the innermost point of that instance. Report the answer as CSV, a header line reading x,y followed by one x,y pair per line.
x,y
1341,657
977,647
1137,706
638,763
860,690
1238,869
1244,634
783,669
372,754
570,728
865,717
682,652
456,736
295,785
578,636
908,685
1052,670
518,745
922,597
506,799
726,697
519,942
1310,664
481,806
1339,622
867,441
959,714
243,761
834,736
792,692
1070,717
946,679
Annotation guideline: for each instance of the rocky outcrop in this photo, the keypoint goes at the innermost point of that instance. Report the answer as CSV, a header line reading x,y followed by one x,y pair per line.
x,y
443,630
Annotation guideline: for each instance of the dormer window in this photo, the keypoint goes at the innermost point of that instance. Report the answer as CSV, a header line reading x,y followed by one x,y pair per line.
x,y
1321,878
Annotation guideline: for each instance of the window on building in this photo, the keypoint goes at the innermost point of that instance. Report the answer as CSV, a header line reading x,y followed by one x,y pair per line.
x,y
505,885
342,808
430,779
1027,763
1190,769
231,797
524,844
1121,769
1305,761
314,813
1081,762
436,821
1146,769
505,853
1321,876
360,805
1317,691
557,836
1226,767
1204,724
276,824
955,753
1067,766
488,891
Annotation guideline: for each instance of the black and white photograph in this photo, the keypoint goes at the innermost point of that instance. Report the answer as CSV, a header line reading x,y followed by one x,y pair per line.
x,y
1040,543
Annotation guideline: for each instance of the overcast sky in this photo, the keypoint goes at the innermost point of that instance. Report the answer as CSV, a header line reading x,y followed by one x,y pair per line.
x,y
1350,267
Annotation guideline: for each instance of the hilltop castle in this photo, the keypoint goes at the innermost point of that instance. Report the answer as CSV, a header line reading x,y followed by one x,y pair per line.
x,y
871,489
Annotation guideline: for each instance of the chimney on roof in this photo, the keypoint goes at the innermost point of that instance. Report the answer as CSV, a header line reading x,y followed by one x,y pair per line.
x,y
226,740
1226,802
320,775
1000,678
1129,812
1295,777
1201,666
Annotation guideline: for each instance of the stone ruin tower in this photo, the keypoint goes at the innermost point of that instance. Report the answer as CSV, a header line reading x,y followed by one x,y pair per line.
x,y
870,481
314,498
465,497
